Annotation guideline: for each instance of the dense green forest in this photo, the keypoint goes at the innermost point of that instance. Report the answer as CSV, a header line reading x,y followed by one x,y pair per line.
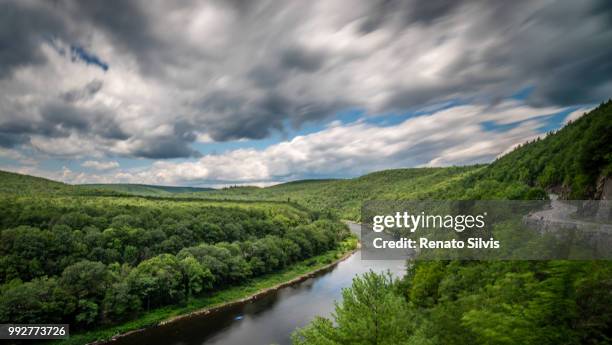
x,y
454,302
496,302
143,189
92,260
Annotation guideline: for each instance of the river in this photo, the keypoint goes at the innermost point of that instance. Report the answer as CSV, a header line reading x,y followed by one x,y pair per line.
x,y
271,319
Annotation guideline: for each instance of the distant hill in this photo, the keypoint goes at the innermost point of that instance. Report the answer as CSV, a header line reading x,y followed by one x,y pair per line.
x,y
144,189
13,183
345,196
19,184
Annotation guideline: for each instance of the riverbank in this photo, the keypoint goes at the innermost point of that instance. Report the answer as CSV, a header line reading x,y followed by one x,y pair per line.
x,y
257,288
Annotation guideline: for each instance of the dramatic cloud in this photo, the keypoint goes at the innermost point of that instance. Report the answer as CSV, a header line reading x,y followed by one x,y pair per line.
x,y
23,29
456,135
97,80
453,136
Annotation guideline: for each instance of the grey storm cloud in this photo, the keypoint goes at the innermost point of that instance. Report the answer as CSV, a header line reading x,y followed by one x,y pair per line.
x,y
302,59
127,25
63,118
58,119
83,93
173,145
237,117
409,11
22,29
559,48
244,69
163,148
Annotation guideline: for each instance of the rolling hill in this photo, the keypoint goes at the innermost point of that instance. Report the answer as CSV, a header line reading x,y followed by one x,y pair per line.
x,y
13,183
20,184
144,189
345,196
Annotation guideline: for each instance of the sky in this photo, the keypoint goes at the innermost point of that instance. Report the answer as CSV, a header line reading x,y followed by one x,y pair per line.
x,y
216,93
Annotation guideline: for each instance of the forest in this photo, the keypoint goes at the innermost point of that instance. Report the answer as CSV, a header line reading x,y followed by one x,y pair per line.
x,y
494,302
99,260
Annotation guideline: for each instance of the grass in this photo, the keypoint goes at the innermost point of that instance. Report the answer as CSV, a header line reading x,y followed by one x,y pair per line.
x,y
256,285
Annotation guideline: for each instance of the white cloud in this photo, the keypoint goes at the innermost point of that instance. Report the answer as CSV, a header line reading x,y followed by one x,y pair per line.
x,y
100,165
215,70
63,175
576,114
451,136
17,156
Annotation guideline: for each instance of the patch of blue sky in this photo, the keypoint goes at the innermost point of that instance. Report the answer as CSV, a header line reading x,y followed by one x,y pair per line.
x,y
129,163
523,93
21,157
547,123
395,118
57,164
215,148
8,162
78,53
349,115
288,133
557,120
493,126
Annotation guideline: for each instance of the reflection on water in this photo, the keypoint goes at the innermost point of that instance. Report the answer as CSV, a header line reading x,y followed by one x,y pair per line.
x,y
271,319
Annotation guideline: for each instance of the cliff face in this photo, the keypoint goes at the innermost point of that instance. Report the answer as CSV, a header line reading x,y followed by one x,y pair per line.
x,y
604,188
604,193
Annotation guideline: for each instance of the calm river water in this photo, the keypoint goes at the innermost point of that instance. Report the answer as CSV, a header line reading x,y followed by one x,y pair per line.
x,y
271,319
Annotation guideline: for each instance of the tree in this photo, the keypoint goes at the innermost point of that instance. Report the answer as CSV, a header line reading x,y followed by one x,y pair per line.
x,y
86,280
158,280
370,313
40,301
120,303
195,277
